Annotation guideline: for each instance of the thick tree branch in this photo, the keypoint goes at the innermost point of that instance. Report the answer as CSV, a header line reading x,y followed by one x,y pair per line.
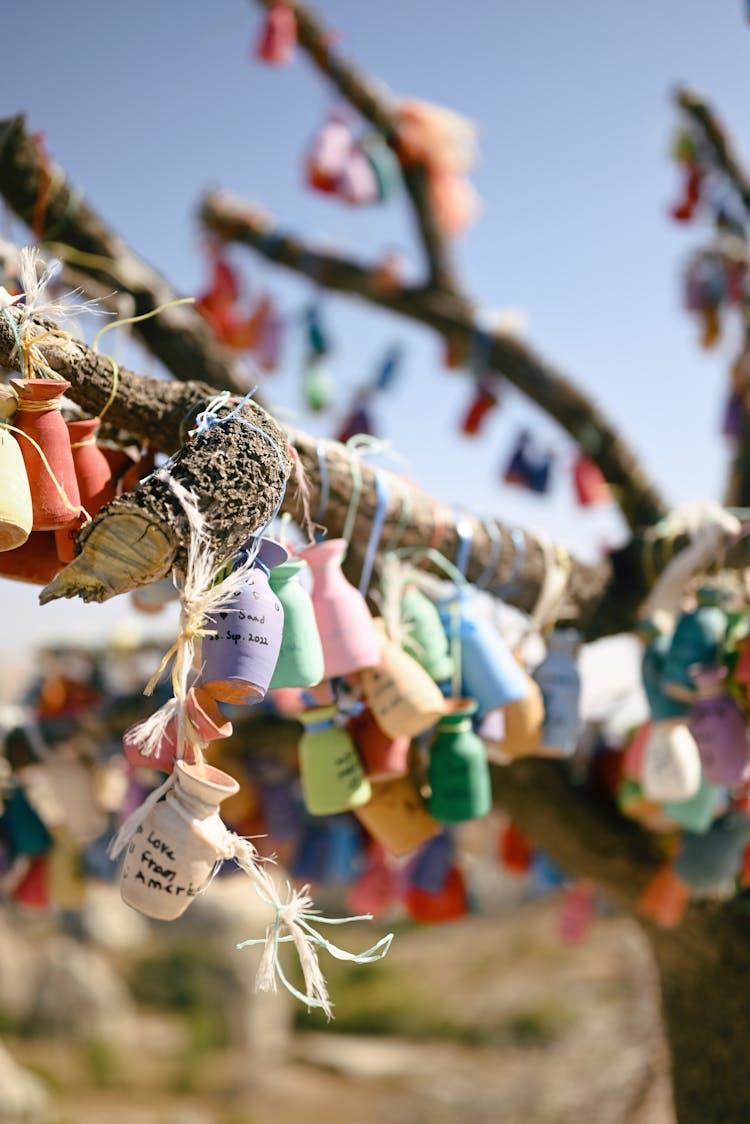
x,y
600,599
717,146
179,337
453,318
235,471
371,101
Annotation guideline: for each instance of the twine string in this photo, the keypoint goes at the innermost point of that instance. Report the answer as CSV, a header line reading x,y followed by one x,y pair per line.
x,y
77,510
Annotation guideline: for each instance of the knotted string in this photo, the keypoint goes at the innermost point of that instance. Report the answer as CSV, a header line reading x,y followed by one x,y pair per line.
x,y
298,915
76,510
429,554
488,573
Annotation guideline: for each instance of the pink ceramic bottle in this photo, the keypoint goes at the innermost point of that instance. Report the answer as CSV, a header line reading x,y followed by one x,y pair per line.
x,y
350,641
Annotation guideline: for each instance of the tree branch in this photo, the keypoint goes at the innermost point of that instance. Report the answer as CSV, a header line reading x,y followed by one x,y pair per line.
x,y
717,146
235,471
453,318
179,337
600,599
371,101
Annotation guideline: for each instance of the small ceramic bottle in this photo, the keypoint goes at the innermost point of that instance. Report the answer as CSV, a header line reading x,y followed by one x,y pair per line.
x,y
458,771
39,417
560,683
330,771
240,657
172,855
490,674
16,514
300,662
346,629
718,726
403,698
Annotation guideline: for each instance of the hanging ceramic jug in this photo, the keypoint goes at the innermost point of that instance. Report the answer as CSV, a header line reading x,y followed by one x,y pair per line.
x,y
698,813
524,721
490,674
201,712
718,726
431,866
403,698
382,756
448,904
330,771
710,863
39,417
560,683
658,644
239,659
278,35
424,637
671,768
300,662
458,771
329,155
35,561
698,639
396,816
96,485
346,629
16,515
358,183
173,853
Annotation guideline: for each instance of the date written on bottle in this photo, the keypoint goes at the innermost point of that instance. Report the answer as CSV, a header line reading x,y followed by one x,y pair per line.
x,y
236,637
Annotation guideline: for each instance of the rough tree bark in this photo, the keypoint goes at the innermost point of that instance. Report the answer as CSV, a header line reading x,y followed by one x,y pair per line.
x,y
179,336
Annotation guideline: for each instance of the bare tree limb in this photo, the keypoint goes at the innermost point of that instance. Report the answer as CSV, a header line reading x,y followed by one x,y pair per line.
x,y
714,142
179,337
599,599
371,101
453,318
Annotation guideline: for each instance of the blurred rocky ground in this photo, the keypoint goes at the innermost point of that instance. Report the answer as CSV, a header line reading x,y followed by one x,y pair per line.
x,y
493,1018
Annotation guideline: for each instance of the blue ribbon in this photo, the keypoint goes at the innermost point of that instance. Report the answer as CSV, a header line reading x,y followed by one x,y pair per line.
x,y
485,577
382,489
464,532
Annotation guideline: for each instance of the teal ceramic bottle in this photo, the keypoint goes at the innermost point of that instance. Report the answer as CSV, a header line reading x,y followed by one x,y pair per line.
x,y
300,662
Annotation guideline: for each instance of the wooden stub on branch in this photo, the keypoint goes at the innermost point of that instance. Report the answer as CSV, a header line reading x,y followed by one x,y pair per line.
x,y
237,473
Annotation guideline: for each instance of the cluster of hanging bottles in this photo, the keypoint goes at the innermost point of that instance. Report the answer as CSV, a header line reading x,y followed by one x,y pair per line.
x,y
53,477
389,723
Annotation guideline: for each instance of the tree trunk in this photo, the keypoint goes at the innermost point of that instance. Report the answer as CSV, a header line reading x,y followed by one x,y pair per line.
x,y
704,970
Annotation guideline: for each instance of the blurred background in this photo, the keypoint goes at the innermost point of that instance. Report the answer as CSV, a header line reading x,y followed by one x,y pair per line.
x,y
505,1012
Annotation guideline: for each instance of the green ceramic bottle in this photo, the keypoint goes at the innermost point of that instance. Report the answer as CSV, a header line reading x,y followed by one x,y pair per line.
x,y
458,772
300,662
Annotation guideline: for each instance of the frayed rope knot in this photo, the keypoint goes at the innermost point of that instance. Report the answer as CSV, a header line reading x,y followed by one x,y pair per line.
x,y
298,915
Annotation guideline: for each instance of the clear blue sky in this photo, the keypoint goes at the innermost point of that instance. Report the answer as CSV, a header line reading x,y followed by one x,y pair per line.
x,y
147,104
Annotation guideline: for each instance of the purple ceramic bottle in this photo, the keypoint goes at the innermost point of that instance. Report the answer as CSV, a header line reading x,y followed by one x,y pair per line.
x,y
718,726
239,660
